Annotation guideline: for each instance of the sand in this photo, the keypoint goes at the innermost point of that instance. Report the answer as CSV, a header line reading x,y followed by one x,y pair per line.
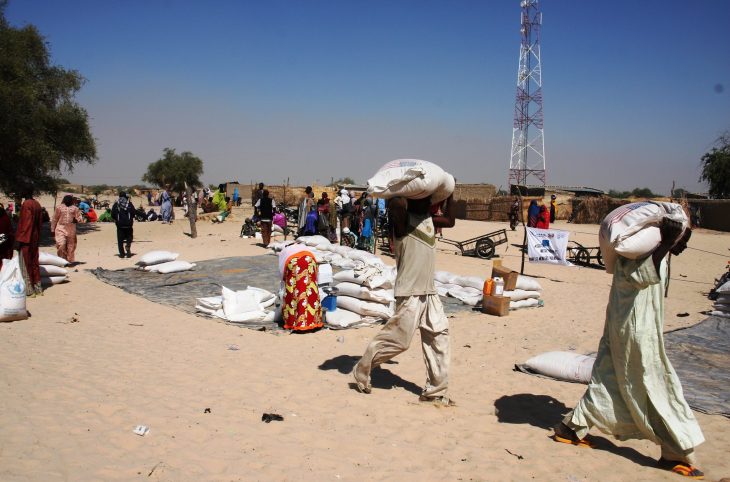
x,y
72,392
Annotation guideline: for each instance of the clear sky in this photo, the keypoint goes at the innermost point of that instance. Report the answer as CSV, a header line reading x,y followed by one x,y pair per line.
x,y
264,90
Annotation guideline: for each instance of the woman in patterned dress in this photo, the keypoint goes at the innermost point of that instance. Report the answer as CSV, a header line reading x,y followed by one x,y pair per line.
x,y
301,307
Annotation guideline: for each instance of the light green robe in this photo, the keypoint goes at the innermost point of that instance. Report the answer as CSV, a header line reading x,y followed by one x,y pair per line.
x,y
634,392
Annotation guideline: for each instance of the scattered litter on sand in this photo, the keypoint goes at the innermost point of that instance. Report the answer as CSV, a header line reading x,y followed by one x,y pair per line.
x,y
268,417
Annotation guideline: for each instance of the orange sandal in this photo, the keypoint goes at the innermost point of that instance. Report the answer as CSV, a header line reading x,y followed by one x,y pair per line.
x,y
681,468
566,435
577,442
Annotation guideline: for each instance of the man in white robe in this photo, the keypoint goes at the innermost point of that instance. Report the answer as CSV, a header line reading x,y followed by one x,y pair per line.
x,y
634,392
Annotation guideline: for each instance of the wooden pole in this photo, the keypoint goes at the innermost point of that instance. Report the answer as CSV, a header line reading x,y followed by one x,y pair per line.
x,y
524,228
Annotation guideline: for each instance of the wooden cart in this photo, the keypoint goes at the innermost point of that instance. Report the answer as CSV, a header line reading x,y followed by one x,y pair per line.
x,y
483,246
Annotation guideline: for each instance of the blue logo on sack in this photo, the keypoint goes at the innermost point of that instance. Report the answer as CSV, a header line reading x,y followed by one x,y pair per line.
x,y
16,288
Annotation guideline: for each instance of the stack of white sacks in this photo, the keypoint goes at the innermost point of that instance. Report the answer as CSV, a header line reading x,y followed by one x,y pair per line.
x,y
163,262
53,269
243,306
469,289
364,284
721,307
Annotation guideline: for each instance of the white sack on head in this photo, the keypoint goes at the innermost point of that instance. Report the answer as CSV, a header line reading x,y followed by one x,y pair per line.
x,y
527,283
632,230
48,270
365,308
563,366
412,179
51,259
360,292
157,257
12,291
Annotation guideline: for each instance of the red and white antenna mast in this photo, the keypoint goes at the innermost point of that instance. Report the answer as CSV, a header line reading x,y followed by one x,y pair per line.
x,y
527,160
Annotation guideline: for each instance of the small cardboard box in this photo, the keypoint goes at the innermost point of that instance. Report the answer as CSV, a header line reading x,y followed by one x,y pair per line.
x,y
509,276
496,305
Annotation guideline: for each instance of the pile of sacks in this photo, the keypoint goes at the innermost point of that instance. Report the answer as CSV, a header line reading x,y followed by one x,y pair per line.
x,y
469,290
364,295
163,262
721,296
53,269
324,251
363,286
243,306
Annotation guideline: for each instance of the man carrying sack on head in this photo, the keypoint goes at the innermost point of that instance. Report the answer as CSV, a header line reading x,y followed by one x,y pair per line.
x,y
417,302
634,392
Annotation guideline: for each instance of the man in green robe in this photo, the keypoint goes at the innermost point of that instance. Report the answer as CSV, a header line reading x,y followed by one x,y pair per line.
x,y
634,392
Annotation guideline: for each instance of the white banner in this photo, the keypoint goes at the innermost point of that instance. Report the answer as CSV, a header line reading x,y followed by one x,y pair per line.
x,y
547,246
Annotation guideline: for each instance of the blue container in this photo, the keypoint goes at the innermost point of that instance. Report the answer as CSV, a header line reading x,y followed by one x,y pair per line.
x,y
329,303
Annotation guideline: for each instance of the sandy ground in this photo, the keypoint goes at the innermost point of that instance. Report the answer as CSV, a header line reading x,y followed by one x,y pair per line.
x,y
71,393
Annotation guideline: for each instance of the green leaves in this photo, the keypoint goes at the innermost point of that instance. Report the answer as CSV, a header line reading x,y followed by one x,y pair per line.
x,y
716,168
42,128
174,170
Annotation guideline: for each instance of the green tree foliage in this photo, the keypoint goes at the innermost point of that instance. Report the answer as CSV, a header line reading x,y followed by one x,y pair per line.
x,y
344,181
643,192
173,170
716,168
42,128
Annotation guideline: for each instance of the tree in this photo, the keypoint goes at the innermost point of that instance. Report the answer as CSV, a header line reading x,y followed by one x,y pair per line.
x,y
643,192
344,181
42,128
179,172
175,171
716,168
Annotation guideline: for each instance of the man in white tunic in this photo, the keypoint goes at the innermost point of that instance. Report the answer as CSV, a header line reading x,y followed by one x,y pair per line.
x,y
634,391
417,302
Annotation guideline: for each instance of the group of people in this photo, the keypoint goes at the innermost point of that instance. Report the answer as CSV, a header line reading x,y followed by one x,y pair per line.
x,y
539,216
356,215
634,391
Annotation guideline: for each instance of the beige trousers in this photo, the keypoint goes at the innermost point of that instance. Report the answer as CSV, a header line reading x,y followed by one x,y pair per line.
x,y
426,313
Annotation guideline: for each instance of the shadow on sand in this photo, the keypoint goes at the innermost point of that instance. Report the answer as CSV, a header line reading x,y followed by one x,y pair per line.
x,y
545,412
379,378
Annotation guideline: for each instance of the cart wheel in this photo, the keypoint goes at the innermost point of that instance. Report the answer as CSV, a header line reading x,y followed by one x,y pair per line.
x,y
485,248
582,257
599,258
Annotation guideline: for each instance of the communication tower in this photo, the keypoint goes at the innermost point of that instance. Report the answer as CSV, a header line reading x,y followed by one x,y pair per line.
x,y
527,160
